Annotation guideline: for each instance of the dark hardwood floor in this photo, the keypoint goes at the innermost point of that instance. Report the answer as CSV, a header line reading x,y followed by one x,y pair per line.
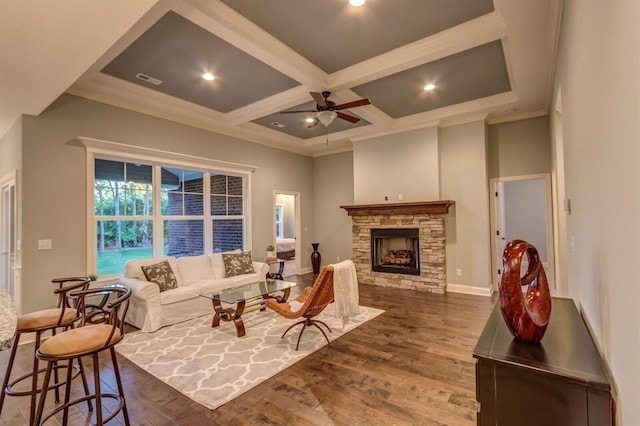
x,y
410,365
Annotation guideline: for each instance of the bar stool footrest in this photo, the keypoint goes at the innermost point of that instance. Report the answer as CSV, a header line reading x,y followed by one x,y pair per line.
x,y
9,389
86,398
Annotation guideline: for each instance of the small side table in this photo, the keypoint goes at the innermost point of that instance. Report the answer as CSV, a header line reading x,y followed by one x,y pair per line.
x,y
275,275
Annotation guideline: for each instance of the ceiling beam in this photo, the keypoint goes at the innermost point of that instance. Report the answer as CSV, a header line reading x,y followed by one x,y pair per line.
x,y
224,22
462,37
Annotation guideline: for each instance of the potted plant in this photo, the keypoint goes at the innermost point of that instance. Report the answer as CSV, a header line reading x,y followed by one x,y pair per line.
x,y
271,251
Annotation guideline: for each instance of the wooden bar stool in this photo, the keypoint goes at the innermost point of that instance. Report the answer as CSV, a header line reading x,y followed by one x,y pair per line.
x,y
64,316
88,340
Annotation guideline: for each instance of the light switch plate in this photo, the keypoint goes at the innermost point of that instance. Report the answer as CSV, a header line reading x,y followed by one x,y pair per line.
x,y
44,245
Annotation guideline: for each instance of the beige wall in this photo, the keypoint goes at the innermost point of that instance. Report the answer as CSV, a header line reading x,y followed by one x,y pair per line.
x,y
464,179
332,188
597,74
519,148
402,163
54,187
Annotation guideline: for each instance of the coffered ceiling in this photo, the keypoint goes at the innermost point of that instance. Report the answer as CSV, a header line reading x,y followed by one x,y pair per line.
x,y
487,59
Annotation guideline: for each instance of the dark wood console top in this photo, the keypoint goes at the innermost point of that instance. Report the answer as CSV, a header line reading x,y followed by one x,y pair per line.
x,y
417,207
566,349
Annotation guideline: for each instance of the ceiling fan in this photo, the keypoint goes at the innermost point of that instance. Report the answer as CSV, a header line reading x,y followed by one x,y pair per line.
x,y
326,110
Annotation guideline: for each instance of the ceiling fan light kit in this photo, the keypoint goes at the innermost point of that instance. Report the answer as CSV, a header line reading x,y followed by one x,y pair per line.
x,y
326,117
327,111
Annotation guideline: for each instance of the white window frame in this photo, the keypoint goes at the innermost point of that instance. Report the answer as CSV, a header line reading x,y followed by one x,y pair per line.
x,y
279,223
120,152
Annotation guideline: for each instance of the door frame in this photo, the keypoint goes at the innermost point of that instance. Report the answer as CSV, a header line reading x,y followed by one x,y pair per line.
x,y
496,257
10,180
298,227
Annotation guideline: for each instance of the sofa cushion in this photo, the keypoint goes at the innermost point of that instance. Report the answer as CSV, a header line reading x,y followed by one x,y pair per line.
x,y
209,287
194,268
132,268
217,263
161,274
179,294
237,264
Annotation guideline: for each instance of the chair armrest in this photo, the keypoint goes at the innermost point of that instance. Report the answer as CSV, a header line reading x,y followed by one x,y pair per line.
x,y
260,268
141,289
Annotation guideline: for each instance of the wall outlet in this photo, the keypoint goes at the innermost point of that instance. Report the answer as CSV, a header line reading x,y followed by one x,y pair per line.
x,y
337,258
459,272
399,197
306,229
44,245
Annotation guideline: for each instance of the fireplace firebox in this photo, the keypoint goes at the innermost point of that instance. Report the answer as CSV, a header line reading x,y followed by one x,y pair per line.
x,y
395,250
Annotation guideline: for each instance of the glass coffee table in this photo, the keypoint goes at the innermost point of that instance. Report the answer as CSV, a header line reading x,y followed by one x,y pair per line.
x,y
240,295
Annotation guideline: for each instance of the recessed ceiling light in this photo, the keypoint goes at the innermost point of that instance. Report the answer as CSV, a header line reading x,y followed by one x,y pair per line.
x,y
430,87
208,76
309,120
357,3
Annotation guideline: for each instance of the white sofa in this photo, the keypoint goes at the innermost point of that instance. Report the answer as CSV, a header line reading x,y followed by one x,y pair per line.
x,y
150,309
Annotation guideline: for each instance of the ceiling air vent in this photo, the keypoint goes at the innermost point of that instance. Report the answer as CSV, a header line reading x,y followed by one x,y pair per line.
x,y
276,124
148,79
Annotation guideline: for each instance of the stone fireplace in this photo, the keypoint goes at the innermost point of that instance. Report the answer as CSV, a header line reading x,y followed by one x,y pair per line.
x,y
401,244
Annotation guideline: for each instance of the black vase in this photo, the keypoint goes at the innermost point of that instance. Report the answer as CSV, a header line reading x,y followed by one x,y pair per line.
x,y
315,258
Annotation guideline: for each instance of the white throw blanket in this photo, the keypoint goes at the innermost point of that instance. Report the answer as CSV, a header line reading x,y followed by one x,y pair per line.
x,y
345,291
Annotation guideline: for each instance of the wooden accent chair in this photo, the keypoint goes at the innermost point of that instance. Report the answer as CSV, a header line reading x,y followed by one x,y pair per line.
x,y
88,340
314,299
64,316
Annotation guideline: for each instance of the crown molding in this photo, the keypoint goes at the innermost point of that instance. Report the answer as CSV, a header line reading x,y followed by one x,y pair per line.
x,y
517,117
456,121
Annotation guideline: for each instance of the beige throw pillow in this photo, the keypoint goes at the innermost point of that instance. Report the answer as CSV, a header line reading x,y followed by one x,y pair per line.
x,y
161,274
237,264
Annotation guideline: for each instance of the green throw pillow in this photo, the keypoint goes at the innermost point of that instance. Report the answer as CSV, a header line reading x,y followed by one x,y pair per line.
x,y
161,274
237,264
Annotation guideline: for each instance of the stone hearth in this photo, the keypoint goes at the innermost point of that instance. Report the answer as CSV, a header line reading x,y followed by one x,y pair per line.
x,y
428,217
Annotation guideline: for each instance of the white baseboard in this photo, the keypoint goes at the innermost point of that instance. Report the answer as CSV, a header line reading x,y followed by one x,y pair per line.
x,y
467,289
305,271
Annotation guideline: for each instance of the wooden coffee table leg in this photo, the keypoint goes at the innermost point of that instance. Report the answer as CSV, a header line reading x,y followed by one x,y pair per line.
x,y
237,320
229,314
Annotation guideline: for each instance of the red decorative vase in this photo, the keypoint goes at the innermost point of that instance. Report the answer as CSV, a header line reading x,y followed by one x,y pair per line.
x,y
526,311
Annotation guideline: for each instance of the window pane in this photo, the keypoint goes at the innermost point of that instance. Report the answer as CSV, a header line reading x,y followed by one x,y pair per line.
x,y
174,204
121,241
183,189
235,185
235,205
122,189
218,205
183,237
227,235
139,173
218,184
193,205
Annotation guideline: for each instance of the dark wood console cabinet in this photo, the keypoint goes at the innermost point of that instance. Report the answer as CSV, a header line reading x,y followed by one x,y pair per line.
x,y
560,381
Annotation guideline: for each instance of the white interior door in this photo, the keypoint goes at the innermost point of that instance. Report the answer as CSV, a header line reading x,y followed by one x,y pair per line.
x,y
286,227
523,210
8,236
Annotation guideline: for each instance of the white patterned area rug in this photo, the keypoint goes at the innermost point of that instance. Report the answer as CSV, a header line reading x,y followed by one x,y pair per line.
x,y
212,365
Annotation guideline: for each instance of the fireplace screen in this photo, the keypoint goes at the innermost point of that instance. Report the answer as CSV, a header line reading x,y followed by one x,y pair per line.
x,y
395,250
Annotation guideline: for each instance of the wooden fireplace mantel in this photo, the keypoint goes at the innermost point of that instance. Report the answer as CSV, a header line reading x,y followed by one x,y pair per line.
x,y
417,207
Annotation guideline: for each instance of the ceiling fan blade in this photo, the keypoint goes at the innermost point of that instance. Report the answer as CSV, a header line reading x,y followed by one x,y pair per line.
x,y
348,117
299,110
318,98
313,124
353,104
